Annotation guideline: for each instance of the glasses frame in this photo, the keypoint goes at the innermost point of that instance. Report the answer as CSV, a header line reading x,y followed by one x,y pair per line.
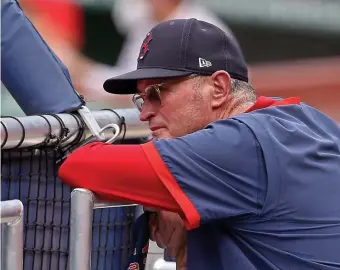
x,y
157,88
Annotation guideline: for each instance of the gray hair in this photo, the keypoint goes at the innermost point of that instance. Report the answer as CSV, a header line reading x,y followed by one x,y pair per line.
x,y
242,90
239,89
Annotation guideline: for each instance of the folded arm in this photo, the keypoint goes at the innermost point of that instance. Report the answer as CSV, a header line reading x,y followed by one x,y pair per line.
x,y
124,173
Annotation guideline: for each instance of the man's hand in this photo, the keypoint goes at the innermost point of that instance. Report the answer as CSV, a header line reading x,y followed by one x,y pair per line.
x,y
168,231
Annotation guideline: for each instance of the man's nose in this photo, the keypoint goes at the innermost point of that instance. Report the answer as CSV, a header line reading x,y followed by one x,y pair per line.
x,y
148,111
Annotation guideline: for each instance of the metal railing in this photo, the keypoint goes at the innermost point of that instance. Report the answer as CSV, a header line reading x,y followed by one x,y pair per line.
x,y
30,149
83,202
12,234
49,130
46,226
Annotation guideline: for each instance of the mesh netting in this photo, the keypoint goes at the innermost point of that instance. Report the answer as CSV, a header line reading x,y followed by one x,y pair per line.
x,y
30,175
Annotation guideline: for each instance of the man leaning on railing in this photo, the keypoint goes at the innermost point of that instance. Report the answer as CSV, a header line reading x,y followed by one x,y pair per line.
x,y
254,180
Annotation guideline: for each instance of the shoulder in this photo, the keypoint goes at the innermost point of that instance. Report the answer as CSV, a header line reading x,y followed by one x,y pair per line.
x,y
224,143
297,116
221,131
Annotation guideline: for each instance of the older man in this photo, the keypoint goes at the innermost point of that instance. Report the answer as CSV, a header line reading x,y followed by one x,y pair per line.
x,y
255,180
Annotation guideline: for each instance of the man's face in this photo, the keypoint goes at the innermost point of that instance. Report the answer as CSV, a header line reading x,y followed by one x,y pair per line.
x,y
182,109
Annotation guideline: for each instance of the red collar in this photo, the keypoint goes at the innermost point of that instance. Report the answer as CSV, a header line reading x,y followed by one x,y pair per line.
x,y
266,102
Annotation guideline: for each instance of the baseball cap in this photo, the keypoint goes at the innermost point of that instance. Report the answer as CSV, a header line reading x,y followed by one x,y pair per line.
x,y
182,47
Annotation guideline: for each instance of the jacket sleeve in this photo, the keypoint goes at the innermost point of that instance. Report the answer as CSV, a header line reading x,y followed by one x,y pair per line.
x,y
124,173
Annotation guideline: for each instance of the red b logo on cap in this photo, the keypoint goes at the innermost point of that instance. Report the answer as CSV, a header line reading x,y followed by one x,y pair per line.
x,y
145,46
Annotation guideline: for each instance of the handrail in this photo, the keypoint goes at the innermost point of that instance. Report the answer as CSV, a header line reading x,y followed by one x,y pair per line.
x,y
12,234
83,202
28,131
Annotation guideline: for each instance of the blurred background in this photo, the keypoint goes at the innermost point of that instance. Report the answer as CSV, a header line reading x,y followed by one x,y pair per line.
x,y
292,46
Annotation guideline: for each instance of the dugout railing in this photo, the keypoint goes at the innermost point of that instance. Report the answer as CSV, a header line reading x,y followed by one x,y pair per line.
x,y
32,148
11,214
83,203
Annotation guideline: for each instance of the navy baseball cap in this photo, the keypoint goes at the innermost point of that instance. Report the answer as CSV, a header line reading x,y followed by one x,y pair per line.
x,y
182,47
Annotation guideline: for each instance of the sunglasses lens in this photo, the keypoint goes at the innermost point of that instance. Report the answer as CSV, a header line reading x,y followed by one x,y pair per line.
x,y
139,103
152,94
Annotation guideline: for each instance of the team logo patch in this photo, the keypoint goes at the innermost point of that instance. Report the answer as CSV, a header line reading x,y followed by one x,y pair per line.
x,y
145,46
133,266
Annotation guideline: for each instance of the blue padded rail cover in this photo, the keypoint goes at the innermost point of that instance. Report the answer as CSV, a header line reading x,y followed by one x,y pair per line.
x,y
36,78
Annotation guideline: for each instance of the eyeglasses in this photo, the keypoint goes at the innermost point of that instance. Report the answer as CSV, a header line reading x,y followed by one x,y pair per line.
x,y
152,93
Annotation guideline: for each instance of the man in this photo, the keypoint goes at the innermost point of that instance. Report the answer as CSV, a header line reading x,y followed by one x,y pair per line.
x,y
256,181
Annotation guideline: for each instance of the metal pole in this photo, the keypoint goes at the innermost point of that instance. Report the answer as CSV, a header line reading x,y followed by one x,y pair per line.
x,y
35,129
12,234
82,202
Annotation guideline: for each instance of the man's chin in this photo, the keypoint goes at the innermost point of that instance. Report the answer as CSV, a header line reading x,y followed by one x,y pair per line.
x,y
161,133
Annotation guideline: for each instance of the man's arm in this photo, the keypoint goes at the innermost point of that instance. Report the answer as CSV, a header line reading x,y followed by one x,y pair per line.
x,y
214,174
124,173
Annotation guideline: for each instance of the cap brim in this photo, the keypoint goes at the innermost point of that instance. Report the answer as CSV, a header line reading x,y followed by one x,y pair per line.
x,y
127,83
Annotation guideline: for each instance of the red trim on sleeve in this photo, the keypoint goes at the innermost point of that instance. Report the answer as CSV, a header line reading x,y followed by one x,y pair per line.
x,y
117,173
191,215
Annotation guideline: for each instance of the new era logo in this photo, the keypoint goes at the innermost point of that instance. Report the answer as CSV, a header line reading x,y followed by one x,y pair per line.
x,y
204,63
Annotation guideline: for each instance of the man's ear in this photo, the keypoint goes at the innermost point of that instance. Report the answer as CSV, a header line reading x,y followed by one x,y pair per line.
x,y
221,88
